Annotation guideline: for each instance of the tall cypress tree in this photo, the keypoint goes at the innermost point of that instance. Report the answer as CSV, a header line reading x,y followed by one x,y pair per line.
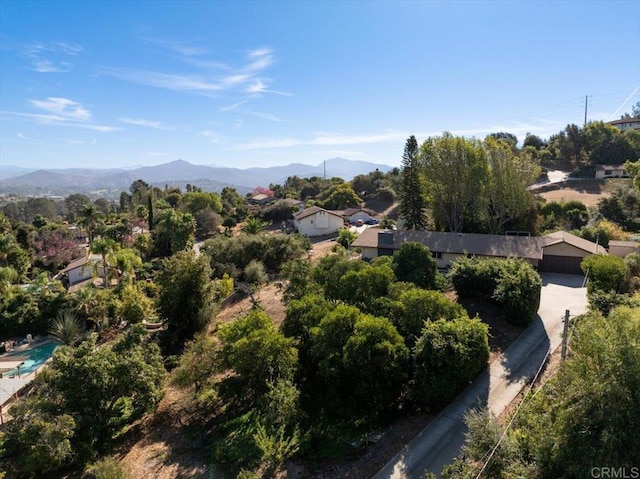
x,y
150,211
412,194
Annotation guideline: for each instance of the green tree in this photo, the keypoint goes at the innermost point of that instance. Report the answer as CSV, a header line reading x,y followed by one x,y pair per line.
x,y
420,306
455,169
185,297
590,410
633,168
447,356
174,232
414,263
256,352
74,204
342,197
362,287
376,363
412,192
509,177
106,248
508,138
127,260
90,218
255,275
346,237
87,396
12,255
38,440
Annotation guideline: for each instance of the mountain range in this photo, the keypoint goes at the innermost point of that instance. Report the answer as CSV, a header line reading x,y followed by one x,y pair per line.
x,y
22,181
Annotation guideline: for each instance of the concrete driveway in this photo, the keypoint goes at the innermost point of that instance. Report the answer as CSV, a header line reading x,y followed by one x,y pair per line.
x,y
440,442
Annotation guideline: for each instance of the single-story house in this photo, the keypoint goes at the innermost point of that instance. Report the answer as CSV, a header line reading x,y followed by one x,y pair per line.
x,y
611,171
261,199
316,221
623,248
558,252
352,215
82,268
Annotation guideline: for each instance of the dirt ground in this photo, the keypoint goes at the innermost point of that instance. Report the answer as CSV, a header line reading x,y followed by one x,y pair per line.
x,y
568,194
588,192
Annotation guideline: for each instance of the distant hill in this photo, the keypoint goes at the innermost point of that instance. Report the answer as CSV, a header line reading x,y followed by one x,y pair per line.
x,y
9,171
178,173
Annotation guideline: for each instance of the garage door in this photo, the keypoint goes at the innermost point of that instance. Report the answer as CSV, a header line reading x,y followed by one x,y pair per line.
x,y
560,264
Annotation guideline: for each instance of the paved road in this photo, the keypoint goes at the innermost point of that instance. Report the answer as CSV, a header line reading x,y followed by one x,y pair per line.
x,y
440,442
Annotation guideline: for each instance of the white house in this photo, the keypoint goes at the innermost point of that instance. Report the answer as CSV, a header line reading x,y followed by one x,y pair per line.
x,y
82,269
352,215
610,171
316,221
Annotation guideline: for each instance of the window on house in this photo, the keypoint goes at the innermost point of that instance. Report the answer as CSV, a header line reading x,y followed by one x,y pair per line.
x,y
436,254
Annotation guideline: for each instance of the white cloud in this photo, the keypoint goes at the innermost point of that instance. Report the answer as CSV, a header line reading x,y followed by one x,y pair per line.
x,y
202,75
64,107
22,136
259,87
47,66
47,58
58,120
233,106
194,83
158,125
265,116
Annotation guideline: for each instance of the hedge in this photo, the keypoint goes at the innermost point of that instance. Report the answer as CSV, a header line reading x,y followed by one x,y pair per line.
x,y
510,283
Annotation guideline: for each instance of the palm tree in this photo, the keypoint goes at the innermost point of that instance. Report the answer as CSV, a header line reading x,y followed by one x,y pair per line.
x,y
254,226
90,219
66,328
105,248
127,260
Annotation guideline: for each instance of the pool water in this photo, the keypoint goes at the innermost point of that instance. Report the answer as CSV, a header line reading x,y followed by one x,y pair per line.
x,y
35,358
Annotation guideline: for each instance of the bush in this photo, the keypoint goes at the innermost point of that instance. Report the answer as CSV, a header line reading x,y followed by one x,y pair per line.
x,y
447,356
606,301
510,283
108,468
606,273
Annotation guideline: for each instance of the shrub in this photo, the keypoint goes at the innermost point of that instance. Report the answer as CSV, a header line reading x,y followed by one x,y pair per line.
x,y
107,468
510,283
606,273
447,356
413,263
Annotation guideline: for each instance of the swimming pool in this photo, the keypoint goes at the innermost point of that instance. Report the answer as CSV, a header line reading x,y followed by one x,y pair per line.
x,y
35,358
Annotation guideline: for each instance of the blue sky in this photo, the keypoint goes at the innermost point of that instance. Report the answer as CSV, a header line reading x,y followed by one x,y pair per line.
x,y
122,83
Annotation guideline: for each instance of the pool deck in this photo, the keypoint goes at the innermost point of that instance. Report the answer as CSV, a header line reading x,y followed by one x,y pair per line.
x,y
10,388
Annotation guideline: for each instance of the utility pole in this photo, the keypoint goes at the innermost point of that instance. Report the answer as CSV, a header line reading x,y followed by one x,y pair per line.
x,y
565,335
586,97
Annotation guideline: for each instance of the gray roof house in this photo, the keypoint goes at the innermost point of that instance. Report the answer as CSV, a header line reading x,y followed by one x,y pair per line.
x,y
559,252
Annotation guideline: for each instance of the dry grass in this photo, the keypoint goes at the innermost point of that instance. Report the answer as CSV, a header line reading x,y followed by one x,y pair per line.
x,y
588,192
